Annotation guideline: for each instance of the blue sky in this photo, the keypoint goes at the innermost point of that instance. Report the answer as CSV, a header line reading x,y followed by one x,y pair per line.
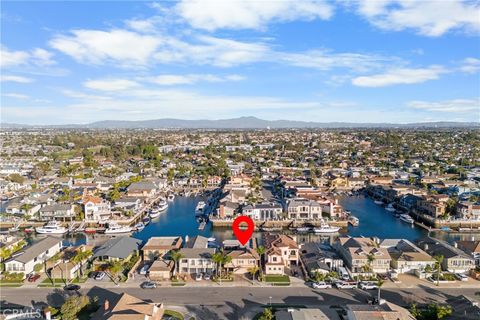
x,y
346,60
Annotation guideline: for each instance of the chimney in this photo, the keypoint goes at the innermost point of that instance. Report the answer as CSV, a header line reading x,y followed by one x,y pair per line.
x,y
106,305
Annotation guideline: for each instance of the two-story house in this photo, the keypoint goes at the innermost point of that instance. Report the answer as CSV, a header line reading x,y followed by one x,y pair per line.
x,y
96,209
263,211
304,209
281,253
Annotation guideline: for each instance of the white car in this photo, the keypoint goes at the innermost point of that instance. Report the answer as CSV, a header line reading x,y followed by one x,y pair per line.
x,y
345,285
367,285
198,277
99,276
321,285
461,277
144,269
207,276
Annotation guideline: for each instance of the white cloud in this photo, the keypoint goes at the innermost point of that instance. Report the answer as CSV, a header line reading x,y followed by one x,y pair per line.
x,y
240,14
470,65
37,57
12,78
175,79
428,17
456,105
127,48
12,58
110,84
15,95
399,76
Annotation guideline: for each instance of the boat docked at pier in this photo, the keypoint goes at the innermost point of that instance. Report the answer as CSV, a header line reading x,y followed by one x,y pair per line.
x,y
354,221
200,208
390,207
325,228
378,201
115,228
303,229
406,218
139,226
52,227
171,197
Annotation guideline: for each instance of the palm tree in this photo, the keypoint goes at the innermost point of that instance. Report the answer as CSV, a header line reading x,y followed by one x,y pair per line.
x,y
176,255
318,277
380,283
261,251
217,258
438,266
253,271
221,258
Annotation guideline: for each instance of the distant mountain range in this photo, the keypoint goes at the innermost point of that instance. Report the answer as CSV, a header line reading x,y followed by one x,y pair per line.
x,y
240,123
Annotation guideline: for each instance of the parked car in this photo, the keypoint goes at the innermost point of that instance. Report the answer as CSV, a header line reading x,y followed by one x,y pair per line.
x,y
148,285
71,287
461,277
33,277
198,277
100,275
368,285
345,285
321,285
207,276
144,269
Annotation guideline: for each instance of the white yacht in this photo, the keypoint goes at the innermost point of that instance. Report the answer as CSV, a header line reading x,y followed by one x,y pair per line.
x,y
139,226
155,213
390,208
199,208
325,228
171,197
114,228
406,218
162,205
53,227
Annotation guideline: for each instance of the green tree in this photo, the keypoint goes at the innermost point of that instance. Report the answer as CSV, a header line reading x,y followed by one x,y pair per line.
x,y
267,314
115,267
438,266
176,256
15,177
72,307
253,271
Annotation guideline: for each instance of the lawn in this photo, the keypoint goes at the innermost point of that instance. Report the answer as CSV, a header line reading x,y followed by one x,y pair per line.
x,y
277,278
171,314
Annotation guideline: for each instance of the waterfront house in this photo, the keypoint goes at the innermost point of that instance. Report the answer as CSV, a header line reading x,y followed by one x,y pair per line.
x,y
363,255
58,211
406,256
263,211
431,206
304,209
117,249
38,253
196,260
281,253
472,248
157,247
95,208
227,209
242,260
468,210
128,203
454,259
66,267
143,189
125,306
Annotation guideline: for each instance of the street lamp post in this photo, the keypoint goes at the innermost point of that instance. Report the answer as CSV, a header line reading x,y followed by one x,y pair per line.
x,y
270,299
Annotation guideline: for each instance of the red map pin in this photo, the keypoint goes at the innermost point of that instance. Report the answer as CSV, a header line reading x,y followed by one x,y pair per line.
x,y
243,235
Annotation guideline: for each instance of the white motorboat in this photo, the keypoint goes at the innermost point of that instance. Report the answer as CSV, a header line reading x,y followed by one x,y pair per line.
x,y
114,228
390,208
53,227
171,197
212,239
199,208
155,213
354,221
139,226
162,205
325,228
378,202
406,218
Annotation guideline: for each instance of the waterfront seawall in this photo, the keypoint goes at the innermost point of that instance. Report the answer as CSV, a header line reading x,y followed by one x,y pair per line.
x,y
284,224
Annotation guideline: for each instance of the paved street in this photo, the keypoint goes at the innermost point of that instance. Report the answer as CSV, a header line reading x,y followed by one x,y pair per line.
x,y
237,303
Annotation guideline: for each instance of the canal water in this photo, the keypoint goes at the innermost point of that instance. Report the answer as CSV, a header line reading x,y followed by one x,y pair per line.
x,y
179,220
